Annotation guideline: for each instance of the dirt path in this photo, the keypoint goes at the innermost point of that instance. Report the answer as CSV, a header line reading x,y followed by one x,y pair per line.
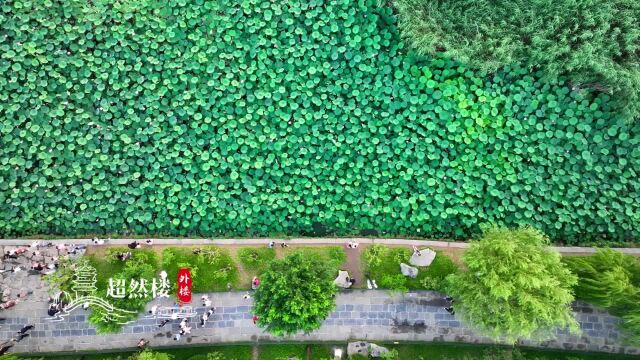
x,y
354,266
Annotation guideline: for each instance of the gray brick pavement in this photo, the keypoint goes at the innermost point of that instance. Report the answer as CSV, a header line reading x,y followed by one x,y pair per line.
x,y
416,316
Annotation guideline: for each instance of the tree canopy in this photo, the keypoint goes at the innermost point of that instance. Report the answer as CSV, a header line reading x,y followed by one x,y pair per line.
x,y
514,286
596,43
295,294
611,279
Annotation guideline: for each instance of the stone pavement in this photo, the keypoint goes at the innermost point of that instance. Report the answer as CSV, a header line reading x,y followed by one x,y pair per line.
x,y
359,314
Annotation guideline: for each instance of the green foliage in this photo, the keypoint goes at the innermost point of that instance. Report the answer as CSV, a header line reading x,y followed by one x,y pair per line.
x,y
515,285
611,279
61,279
608,279
256,259
211,269
395,283
601,50
150,355
331,256
188,117
391,355
142,265
295,294
382,263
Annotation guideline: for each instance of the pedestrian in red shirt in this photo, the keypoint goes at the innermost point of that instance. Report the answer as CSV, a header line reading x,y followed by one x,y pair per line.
x,y
255,319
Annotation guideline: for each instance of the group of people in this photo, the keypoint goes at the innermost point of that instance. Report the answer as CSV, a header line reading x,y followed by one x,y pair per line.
x,y
272,244
21,334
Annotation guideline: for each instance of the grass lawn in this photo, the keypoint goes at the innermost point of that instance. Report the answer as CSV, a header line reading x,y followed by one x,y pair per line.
x,y
333,256
211,270
382,263
255,260
108,267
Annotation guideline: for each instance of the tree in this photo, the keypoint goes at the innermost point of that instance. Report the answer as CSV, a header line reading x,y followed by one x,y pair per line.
x,y
596,43
611,279
296,293
514,286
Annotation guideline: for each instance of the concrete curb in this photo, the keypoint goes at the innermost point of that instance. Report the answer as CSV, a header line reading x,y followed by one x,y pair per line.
x,y
304,241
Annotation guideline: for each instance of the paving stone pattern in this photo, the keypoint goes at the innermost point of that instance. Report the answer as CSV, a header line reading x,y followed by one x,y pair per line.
x,y
359,314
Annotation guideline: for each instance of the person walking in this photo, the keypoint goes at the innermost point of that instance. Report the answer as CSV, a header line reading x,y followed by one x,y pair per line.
x,y
26,328
142,343
255,319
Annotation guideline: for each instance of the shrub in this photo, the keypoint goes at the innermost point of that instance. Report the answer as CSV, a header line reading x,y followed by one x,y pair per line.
x,y
296,294
514,286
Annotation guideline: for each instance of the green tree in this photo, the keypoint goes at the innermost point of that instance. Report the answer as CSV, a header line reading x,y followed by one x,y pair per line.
x,y
608,278
596,43
611,279
514,286
296,293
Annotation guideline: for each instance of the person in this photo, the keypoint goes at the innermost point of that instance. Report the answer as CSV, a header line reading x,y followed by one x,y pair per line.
x,y
415,250
284,245
37,266
177,336
205,316
355,244
246,296
149,242
26,328
61,247
97,241
183,323
5,347
255,282
134,245
85,306
164,322
10,255
20,337
255,319
350,244
174,316
142,343
373,282
53,310
450,310
8,304
21,250
448,299
229,286
205,301
35,244
197,251
154,310
271,244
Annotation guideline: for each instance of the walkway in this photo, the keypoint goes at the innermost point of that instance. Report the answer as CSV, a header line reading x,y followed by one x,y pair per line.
x,y
304,241
360,314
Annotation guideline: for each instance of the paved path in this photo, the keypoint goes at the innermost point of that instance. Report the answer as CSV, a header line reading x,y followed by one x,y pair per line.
x,y
360,314
304,241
